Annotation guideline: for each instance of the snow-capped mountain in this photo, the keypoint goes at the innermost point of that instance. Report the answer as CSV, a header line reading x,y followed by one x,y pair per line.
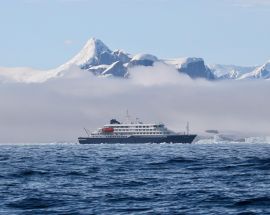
x,y
143,60
223,72
26,75
96,55
97,58
92,54
261,72
193,67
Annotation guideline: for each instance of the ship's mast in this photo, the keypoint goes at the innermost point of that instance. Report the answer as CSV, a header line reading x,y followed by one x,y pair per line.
x,y
86,132
187,127
127,117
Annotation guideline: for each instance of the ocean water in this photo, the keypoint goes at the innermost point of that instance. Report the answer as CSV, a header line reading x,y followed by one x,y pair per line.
x,y
135,179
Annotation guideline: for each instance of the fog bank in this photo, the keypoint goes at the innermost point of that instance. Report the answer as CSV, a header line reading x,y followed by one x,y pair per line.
x,y
59,109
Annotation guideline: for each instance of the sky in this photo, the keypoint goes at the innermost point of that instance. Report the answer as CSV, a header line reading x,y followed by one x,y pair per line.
x,y
45,34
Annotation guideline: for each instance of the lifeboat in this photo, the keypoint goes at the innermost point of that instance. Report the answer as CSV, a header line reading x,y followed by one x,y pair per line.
x,y
107,130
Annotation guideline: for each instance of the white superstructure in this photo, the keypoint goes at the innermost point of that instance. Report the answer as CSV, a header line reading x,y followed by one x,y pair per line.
x,y
116,129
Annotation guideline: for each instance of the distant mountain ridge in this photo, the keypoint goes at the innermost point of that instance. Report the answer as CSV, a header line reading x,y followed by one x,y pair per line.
x,y
97,58
261,72
223,72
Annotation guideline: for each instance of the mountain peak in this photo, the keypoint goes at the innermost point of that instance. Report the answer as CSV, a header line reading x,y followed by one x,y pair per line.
x,y
94,43
93,48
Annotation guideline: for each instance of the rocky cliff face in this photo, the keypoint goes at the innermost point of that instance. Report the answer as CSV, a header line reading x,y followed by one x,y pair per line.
x,y
197,69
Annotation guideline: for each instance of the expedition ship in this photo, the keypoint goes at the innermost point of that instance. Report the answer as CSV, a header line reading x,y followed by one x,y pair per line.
x,y
138,132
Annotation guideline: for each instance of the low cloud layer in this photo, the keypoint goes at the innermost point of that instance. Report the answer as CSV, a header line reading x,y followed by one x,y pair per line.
x,y
59,109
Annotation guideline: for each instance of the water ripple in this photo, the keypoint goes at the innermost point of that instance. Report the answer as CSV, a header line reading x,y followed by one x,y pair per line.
x,y
135,179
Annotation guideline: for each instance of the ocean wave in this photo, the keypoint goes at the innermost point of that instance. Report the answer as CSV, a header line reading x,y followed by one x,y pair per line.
x,y
258,201
135,179
34,203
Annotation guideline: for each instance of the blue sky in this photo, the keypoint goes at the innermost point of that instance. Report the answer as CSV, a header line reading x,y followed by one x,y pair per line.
x,y
44,34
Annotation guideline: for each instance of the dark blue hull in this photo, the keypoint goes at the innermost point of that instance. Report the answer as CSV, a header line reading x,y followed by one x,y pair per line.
x,y
139,139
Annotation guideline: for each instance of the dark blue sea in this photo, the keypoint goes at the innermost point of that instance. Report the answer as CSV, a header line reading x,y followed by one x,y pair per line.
x,y
135,179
